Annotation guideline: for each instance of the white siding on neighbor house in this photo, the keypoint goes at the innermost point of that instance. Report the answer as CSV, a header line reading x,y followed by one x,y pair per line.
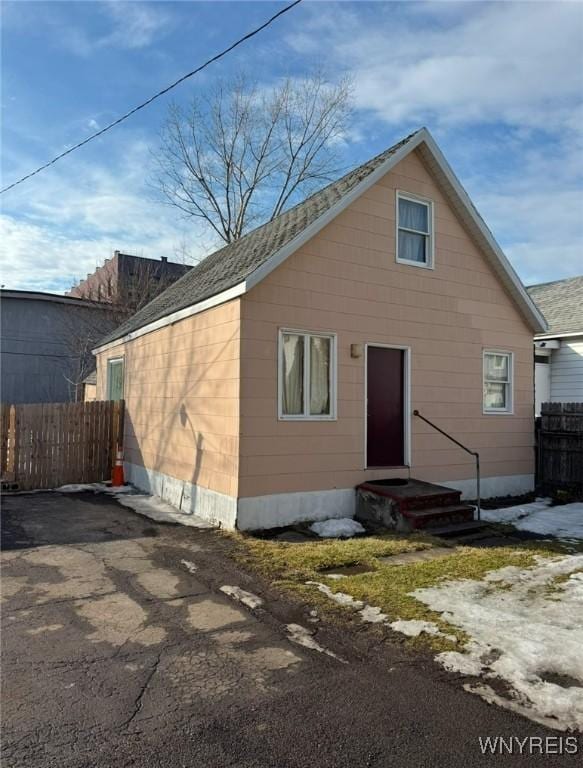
x,y
542,385
567,371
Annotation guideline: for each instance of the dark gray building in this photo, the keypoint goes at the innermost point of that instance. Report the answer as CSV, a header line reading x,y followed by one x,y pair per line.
x,y
45,345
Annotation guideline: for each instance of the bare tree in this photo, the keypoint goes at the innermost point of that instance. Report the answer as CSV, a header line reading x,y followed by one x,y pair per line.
x,y
81,330
243,154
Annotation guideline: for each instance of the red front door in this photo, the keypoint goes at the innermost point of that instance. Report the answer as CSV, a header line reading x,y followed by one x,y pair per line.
x,y
385,397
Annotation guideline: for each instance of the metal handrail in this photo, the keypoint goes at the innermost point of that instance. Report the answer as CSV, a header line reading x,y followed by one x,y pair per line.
x,y
475,454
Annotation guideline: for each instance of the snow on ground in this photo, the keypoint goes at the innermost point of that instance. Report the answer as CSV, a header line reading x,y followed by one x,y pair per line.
x,y
368,613
416,627
302,636
564,521
526,627
337,528
247,598
152,507
96,488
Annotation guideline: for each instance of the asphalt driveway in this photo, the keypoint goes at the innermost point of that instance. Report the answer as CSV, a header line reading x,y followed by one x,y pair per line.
x,y
119,649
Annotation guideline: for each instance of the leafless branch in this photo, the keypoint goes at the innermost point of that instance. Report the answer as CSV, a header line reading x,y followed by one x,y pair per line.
x,y
244,154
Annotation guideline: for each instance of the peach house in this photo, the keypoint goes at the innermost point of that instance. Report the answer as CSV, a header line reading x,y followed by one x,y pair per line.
x,y
283,371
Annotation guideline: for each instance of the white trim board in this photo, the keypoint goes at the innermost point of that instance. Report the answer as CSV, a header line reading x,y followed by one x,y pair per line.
x,y
175,317
461,203
570,334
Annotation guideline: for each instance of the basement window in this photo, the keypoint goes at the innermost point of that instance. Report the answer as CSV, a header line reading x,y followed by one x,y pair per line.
x,y
115,379
307,376
414,231
498,372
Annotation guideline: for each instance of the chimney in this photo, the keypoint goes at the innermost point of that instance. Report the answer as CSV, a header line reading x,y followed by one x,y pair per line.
x,y
164,259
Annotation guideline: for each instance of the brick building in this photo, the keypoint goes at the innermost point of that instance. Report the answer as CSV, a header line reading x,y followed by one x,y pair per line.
x,y
129,281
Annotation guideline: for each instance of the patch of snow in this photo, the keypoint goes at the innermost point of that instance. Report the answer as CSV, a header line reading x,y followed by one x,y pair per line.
x,y
522,634
96,488
373,615
189,565
154,508
247,598
368,613
339,597
563,521
337,528
302,636
76,488
415,627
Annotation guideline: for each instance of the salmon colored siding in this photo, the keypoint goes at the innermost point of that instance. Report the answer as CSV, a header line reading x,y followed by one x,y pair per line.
x,y
182,398
346,280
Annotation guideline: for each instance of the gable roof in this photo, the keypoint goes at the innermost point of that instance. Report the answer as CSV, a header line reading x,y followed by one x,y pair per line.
x,y
561,302
238,266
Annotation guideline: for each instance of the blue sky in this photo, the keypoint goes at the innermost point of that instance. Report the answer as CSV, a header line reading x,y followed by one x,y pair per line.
x,y
499,84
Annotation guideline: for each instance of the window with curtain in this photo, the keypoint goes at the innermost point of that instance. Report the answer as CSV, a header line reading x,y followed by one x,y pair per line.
x,y
306,375
414,226
115,379
497,382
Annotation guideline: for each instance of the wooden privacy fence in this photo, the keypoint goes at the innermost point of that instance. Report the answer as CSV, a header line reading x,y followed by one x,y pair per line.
x,y
51,444
560,447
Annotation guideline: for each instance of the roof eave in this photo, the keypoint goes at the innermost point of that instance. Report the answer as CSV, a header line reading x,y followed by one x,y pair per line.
x,y
507,273
422,137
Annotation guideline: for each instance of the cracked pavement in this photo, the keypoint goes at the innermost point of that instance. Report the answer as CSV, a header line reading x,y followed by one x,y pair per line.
x,y
120,649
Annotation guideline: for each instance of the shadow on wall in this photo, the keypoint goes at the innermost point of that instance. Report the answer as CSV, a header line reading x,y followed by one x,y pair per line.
x,y
166,418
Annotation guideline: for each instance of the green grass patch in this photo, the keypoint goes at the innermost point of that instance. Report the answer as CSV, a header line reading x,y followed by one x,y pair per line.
x,y
385,586
306,560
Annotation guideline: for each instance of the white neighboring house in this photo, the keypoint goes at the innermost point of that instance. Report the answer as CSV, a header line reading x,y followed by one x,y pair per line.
x,y
559,352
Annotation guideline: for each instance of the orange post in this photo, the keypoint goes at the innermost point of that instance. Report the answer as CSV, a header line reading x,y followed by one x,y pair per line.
x,y
117,478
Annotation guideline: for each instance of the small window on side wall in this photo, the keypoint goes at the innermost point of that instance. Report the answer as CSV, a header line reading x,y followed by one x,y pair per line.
x,y
307,374
414,231
115,379
498,371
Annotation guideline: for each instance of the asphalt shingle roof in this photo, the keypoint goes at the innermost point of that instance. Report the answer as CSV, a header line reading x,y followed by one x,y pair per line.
x,y
561,302
233,263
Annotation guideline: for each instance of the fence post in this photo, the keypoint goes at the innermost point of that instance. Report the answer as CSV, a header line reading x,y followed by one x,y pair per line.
x,y
12,462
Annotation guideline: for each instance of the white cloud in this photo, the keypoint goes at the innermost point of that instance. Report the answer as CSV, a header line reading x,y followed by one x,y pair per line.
x,y
135,25
500,86
132,25
54,231
515,62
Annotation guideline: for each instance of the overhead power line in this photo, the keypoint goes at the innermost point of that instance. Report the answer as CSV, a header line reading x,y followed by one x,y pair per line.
x,y
131,112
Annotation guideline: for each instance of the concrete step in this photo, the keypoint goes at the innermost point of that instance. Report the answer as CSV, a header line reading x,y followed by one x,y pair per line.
x,y
429,501
457,529
427,519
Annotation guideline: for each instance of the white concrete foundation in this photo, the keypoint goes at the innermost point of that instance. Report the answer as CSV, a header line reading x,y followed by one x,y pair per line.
x,y
490,487
277,510
218,508
281,509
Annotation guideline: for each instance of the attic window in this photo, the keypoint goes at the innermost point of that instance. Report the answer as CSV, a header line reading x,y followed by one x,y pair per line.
x,y
414,231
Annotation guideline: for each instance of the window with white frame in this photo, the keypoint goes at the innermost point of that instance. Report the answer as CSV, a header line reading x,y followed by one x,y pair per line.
x,y
115,379
307,374
497,382
414,230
